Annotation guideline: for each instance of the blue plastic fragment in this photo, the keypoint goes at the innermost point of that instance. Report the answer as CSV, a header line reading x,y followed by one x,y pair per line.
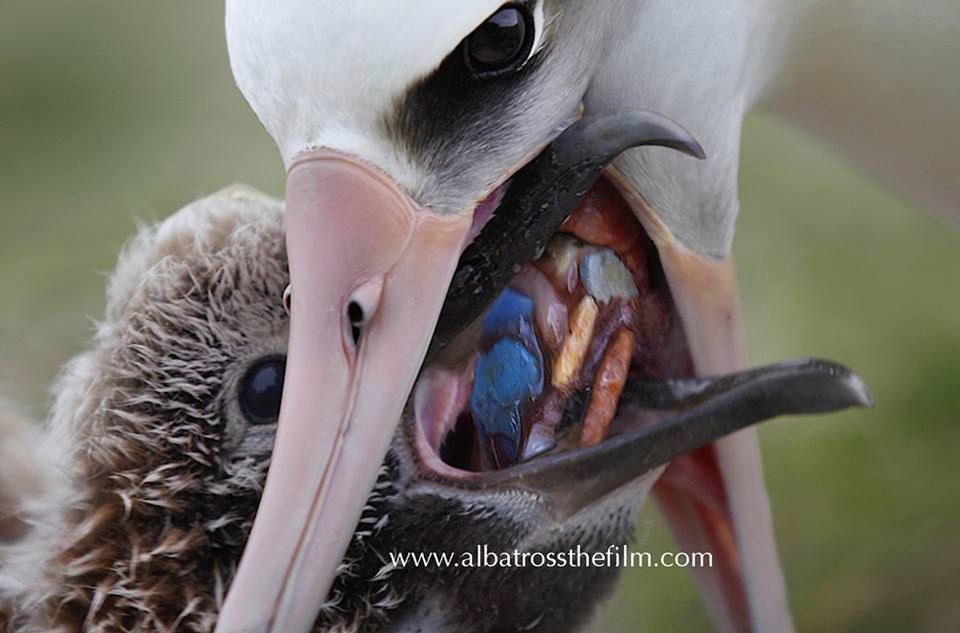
x,y
508,375
507,314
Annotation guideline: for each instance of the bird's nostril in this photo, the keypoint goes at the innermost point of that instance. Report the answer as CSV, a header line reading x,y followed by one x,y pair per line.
x,y
363,304
357,318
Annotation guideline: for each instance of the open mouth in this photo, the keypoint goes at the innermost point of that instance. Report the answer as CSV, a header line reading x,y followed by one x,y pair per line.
x,y
562,364
543,369
561,346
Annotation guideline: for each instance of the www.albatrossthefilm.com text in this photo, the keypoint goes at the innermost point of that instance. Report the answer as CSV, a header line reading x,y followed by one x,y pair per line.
x,y
614,556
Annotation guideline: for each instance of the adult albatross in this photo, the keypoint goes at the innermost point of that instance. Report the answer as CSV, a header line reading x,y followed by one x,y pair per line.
x,y
131,511
403,125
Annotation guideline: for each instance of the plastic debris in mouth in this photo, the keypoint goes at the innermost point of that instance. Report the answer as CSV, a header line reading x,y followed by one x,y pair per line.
x,y
523,383
574,350
607,387
508,376
542,370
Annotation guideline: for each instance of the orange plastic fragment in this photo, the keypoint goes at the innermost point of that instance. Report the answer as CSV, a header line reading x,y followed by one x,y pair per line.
x,y
607,387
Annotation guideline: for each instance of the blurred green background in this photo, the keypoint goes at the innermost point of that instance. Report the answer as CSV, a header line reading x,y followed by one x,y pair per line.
x,y
111,111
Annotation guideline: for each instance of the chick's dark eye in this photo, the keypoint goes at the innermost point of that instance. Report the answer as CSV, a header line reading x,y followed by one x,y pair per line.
x,y
261,389
501,44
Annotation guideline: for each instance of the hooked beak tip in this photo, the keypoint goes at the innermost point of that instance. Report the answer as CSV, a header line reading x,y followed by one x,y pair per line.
x,y
861,393
841,386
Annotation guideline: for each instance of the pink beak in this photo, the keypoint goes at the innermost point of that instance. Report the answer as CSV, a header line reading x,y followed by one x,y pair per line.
x,y
727,511
369,270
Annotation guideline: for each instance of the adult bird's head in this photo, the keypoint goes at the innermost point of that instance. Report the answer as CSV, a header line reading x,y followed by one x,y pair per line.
x,y
403,127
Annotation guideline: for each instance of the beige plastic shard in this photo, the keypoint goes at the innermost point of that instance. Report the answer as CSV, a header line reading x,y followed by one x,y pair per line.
x,y
567,364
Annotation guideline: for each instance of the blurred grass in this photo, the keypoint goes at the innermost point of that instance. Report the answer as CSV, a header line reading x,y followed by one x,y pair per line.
x,y
113,111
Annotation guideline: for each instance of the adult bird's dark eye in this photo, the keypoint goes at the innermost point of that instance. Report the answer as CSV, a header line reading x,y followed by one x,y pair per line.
x,y
501,44
261,389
